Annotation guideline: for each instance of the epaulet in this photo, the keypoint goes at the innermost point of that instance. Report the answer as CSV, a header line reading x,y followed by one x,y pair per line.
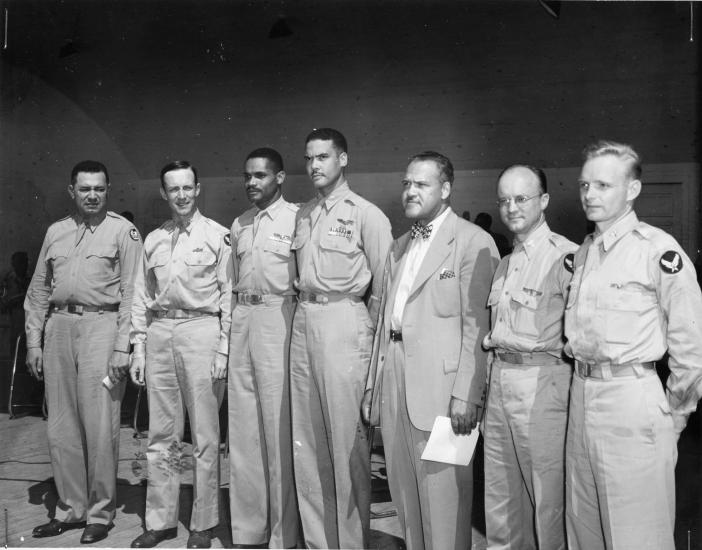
x,y
356,199
561,243
660,239
292,206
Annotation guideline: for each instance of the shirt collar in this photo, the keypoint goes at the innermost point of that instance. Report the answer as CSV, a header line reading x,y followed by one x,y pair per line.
x,y
535,240
272,210
618,229
192,223
335,196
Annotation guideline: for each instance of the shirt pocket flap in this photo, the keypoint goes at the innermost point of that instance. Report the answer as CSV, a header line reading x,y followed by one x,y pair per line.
x,y
204,257
622,299
110,252
450,365
56,251
339,243
494,297
158,260
524,298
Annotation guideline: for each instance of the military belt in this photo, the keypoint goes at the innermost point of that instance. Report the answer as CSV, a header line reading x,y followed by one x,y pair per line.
x,y
182,314
79,309
318,298
536,358
608,370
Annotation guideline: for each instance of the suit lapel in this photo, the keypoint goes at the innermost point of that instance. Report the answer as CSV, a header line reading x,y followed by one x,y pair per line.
x,y
438,251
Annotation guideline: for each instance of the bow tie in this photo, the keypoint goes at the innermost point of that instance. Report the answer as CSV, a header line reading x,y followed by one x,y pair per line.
x,y
419,230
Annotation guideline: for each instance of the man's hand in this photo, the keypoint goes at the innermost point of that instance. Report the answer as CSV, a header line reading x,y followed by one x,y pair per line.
x,y
137,368
366,407
218,371
464,416
118,366
35,362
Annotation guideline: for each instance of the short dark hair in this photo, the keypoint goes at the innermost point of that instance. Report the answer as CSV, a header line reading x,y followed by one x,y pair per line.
x,y
442,162
538,172
89,167
619,150
177,165
271,155
329,134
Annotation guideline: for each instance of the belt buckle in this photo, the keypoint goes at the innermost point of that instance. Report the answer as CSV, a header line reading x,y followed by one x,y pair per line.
x,y
585,369
255,299
75,308
320,298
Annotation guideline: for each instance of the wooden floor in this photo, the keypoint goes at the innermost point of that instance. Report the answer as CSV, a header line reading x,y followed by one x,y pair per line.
x,y
28,496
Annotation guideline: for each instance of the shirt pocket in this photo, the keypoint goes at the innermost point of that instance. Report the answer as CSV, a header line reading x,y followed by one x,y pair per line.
x,y
101,262
339,257
625,312
200,264
524,307
57,256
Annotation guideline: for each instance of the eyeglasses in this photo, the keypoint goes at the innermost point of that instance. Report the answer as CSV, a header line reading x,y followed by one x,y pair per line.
x,y
519,200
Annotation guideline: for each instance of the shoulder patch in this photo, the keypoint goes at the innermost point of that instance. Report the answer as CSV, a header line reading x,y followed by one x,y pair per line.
x,y
568,260
134,234
671,262
228,239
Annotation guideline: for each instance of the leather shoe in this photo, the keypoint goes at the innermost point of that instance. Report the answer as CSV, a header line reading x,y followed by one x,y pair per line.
x,y
200,539
94,532
54,528
150,538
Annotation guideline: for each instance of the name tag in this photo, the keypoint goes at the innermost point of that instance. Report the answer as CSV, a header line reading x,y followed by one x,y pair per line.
x,y
277,237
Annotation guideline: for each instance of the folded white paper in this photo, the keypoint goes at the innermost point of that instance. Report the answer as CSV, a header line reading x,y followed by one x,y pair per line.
x,y
445,446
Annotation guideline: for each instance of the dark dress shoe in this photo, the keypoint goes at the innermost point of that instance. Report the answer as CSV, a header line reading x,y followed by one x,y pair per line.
x,y
54,528
150,538
200,539
94,532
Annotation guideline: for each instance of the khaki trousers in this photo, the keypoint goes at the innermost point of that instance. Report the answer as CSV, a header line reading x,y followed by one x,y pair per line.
x,y
179,354
524,432
329,357
262,497
433,499
83,426
620,465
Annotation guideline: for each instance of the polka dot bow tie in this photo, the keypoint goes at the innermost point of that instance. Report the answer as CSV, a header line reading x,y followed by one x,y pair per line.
x,y
419,230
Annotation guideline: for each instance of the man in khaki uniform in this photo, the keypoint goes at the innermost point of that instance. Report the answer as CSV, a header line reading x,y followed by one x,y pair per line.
x,y
634,296
261,487
527,409
180,331
341,243
83,282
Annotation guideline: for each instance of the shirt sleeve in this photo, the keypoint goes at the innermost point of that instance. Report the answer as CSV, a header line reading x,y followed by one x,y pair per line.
x,y
36,303
377,238
224,283
130,254
681,301
139,322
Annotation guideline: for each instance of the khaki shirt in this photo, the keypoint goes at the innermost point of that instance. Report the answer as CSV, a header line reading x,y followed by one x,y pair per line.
x,y
261,244
87,265
634,296
528,294
342,242
184,268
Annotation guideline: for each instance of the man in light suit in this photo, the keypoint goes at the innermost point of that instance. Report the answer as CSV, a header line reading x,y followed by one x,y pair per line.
x,y
427,359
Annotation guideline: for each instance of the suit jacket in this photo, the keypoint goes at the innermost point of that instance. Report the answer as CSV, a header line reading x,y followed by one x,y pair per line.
x,y
444,321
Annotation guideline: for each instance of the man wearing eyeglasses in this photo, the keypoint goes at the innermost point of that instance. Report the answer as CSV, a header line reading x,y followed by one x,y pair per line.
x,y
427,360
527,407
634,297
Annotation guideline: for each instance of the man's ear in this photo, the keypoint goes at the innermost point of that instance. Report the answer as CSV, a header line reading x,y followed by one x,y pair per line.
x,y
633,189
343,159
71,191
